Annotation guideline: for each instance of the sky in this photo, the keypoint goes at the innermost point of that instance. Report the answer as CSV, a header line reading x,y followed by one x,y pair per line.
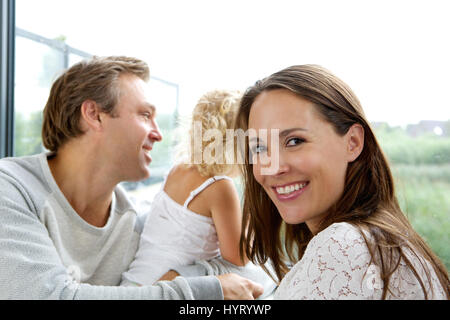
x,y
394,54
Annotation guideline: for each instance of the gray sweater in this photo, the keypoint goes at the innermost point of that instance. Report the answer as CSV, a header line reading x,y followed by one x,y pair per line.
x,y
48,252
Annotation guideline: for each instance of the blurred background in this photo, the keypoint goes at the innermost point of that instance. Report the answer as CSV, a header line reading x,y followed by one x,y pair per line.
x,y
394,55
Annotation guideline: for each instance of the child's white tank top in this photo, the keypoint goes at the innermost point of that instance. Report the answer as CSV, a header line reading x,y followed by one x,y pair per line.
x,y
172,235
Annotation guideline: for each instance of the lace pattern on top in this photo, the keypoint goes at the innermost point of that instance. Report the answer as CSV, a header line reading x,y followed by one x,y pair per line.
x,y
335,265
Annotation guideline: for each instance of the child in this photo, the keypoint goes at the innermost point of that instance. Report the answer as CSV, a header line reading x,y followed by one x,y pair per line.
x,y
196,215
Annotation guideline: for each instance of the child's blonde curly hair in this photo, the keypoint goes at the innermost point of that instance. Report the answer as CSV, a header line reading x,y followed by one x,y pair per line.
x,y
216,110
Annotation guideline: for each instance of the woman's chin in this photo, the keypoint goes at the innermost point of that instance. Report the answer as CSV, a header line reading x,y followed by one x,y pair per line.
x,y
292,217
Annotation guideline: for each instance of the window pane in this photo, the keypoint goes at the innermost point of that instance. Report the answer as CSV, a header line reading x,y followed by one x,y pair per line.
x,y
420,161
398,68
74,58
34,76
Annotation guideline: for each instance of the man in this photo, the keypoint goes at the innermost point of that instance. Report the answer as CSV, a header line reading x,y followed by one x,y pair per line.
x,y
67,230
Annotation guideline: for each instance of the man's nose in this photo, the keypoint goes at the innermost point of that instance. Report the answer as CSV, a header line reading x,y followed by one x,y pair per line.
x,y
155,133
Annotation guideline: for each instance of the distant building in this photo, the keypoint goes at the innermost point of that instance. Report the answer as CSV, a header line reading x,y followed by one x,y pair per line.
x,y
439,128
378,124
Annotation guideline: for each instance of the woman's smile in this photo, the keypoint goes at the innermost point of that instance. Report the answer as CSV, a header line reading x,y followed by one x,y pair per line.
x,y
290,191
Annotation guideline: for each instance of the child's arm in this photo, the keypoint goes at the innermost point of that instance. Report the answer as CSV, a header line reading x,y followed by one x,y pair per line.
x,y
227,217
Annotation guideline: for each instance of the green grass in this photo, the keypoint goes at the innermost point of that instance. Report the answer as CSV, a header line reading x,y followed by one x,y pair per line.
x,y
424,195
421,169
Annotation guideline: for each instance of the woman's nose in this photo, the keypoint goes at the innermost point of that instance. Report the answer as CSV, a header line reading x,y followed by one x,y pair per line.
x,y
281,167
274,164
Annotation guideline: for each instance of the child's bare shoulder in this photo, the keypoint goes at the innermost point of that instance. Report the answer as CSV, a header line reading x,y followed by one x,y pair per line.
x,y
182,174
223,190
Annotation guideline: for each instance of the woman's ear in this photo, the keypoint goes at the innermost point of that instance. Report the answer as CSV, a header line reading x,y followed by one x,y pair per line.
x,y
90,116
355,142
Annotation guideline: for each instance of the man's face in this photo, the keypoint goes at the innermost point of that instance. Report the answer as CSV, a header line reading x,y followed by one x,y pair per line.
x,y
129,136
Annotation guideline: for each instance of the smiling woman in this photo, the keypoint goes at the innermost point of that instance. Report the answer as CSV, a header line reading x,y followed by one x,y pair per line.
x,y
399,69
330,206
311,155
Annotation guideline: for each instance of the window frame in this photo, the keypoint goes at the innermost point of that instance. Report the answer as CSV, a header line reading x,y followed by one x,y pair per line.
x,y
8,34
7,63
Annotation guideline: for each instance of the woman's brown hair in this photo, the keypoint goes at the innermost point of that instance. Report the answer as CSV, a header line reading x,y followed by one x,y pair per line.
x,y
368,201
93,79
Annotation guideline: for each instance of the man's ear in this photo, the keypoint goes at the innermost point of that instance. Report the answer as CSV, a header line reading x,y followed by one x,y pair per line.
x,y
90,116
355,142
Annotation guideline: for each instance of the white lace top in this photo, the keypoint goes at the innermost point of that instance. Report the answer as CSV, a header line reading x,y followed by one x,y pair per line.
x,y
335,265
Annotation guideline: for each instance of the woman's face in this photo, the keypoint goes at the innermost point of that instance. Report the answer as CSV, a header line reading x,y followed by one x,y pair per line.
x,y
312,159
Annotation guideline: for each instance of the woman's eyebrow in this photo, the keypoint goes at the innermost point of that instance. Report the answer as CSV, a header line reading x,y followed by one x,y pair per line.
x,y
284,133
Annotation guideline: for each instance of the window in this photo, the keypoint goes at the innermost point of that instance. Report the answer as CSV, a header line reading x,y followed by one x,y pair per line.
x,y
420,161
7,25
34,75
392,53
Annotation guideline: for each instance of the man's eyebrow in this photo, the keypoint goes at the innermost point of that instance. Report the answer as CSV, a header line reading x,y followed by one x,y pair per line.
x,y
151,107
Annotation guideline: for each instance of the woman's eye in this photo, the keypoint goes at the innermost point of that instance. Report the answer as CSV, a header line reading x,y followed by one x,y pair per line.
x,y
294,142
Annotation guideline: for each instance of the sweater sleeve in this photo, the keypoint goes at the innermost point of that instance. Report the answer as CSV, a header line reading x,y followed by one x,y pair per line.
x,y
218,266
30,267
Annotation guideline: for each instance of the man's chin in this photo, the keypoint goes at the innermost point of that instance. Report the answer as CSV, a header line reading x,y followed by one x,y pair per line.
x,y
144,174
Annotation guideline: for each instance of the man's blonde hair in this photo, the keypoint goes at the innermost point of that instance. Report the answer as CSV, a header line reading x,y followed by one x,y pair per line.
x,y
93,79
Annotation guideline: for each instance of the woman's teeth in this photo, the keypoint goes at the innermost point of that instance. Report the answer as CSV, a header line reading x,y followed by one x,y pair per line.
x,y
291,188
